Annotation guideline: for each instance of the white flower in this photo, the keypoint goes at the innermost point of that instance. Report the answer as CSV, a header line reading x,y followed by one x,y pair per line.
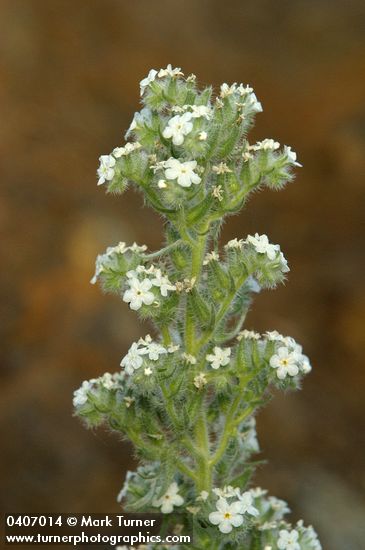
x,y
257,492
107,381
138,293
138,248
217,192
80,395
234,243
183,172
129,401
169,71
148,371
210,257
189,358
288,540
203,496
161,184
279,506
227,90
244,90
106,169
286,362
265,145
147,80
248,334
126,150
170,499
274,335
305,364
202,136
139,119
292,156
227,515
178,127
219,358
227,491
221,168
151,348
173,347
162,282
200,381
133,360
284,263
201,110
247,507
254,104
262,246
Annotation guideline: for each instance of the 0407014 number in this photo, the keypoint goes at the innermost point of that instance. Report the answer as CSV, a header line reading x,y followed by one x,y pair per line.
x,y
30,521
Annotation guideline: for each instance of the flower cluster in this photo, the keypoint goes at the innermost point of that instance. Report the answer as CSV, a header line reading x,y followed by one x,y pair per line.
x,y
188,396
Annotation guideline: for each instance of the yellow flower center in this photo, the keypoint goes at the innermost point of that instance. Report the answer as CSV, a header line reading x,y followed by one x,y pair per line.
x,y
227,515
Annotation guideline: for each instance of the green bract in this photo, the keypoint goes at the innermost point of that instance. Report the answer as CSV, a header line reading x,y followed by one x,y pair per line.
x,y
187,397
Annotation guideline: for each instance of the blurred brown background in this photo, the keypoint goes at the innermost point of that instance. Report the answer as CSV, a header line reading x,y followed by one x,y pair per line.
x,y
69,75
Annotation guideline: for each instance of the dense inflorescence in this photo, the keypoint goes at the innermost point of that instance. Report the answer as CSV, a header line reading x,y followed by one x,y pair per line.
x,y
187,397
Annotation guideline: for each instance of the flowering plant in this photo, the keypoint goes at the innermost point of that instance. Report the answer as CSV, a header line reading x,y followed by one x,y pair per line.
x,y
188,396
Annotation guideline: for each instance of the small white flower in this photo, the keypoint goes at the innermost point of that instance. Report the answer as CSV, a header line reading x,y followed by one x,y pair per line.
x,y
254,104
200,381
262,245
138,248
138,293
274,335
219,358
227,492
279,506
210,257
147,80
169,71
244,90
286,362
305,365
234,243
126,150
133,360
173,347
163,283
170,499
201,110
161,184
292,156
189,358
227,515
139,119
284,263
227,90
257,492
288,540
153,350
217,192
129,401
247,507
183,172
80,395
203,496
202,136
106,169
221,168
107,381
266,145
248,334
178,127
148,371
